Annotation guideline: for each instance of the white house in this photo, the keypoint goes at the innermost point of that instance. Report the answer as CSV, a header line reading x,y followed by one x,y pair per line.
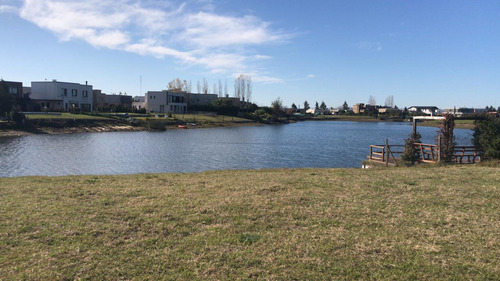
x,y
138,102
428,110
55,95
166,102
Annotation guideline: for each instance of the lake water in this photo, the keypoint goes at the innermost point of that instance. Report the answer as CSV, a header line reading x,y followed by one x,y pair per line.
x,y
303,144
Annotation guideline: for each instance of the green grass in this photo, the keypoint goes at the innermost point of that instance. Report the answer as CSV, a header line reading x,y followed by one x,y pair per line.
x,y
462,124
66,115
427,223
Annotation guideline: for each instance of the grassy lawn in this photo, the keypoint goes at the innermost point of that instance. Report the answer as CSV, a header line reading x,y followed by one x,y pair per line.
x,y
65,115
439,223
461,124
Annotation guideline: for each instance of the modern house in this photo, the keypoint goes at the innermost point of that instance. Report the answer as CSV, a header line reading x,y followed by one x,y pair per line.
x,y
425,110
138,102
318,111
166,102
65,96
200,99
458,112
388,110
364,108
15,89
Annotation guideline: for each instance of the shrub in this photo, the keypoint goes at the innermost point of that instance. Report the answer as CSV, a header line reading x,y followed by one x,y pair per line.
x,y
446,140
410,154
486,137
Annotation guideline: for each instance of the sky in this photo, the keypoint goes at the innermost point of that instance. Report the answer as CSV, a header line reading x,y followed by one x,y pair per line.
x,y
440,53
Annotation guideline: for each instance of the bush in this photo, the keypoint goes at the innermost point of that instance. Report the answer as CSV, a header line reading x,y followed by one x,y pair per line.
x,y
447,139
486,137
410,154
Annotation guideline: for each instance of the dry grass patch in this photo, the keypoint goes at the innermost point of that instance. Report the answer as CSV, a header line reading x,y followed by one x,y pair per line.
x,y
306,224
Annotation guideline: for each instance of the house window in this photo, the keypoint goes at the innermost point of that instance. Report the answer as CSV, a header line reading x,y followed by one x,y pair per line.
x,y
13,90
64,92
85,93
74,92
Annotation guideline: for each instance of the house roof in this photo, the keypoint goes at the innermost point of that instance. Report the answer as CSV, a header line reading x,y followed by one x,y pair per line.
x,y
424,107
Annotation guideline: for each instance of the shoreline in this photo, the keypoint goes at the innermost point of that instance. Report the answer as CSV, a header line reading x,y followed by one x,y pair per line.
x,y
101,128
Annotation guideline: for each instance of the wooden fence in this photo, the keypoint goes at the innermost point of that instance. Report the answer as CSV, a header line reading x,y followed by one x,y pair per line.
x,y
427,153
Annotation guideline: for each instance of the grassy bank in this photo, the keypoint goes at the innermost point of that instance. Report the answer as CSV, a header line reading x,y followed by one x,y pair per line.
x,y
305,224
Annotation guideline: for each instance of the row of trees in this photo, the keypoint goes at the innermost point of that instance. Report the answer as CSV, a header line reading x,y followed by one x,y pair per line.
x,y
243,88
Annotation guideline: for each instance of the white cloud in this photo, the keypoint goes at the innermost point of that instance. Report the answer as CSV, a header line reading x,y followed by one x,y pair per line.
x,y
310,76
160,29
8,9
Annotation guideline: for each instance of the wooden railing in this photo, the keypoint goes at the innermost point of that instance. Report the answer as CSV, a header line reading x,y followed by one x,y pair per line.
x,y
427,153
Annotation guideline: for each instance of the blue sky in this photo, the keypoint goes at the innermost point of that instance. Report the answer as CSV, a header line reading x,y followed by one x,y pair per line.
x,y
443,53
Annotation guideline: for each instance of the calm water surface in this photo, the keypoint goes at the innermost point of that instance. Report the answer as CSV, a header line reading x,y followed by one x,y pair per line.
x,y
304,144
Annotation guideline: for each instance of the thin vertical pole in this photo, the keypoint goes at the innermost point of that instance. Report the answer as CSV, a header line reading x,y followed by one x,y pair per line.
x,y
439,148
386,152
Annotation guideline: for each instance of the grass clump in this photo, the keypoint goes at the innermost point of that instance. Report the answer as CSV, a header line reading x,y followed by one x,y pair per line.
x,y
432,223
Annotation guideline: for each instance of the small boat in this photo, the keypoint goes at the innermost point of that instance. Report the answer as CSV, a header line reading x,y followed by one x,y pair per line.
x,y
182,126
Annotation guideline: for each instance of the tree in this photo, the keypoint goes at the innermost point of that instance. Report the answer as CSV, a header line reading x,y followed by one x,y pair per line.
x,y
243,87
345,106
204,86
323,105
220,89
389,101
306,105
175,85
316,106
198,86
6,99
447,139
410,152
372,101
277,106
486,137
226,93
294,106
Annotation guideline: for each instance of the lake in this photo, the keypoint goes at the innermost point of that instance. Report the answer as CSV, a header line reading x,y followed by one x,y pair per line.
x,y
324,144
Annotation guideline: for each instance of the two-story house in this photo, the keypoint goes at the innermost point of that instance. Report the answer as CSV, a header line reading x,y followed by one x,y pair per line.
x,y
65,96
166,102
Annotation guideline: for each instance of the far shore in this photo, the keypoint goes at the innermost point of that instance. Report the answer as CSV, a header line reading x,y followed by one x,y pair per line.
x,y
100,127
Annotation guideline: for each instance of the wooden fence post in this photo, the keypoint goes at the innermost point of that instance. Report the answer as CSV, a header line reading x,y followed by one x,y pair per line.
x,y
439,148
387,152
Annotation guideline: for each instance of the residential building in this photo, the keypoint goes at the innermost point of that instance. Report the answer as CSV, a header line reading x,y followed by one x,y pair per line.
x,y
15,89
138,102
200,99
166,102
425,110
458,112
388,110
317,111
364,108
65,96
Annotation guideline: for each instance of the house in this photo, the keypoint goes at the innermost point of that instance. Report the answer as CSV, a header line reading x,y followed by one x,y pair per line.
x,y
200,99
15,89
364,108
62,96
317,111
138,102
388,110
425,110
463,111
166,102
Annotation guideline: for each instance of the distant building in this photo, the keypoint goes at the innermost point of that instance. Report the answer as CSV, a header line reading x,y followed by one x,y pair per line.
x,y
138,102
426,110
317,111
65,96
166,102
364,108
15,89
200,99
463,111
388,110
